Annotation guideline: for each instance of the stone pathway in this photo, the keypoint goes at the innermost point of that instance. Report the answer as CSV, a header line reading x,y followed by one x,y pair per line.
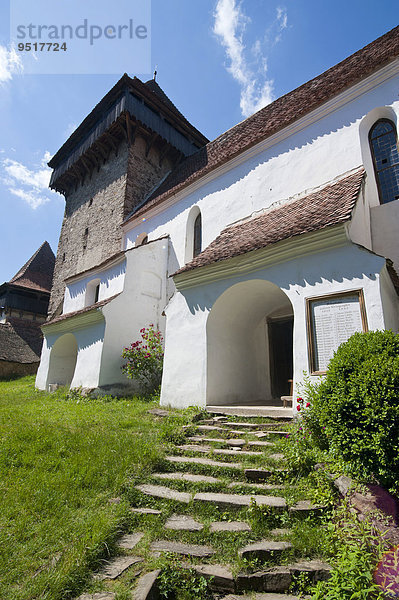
x,y
203,500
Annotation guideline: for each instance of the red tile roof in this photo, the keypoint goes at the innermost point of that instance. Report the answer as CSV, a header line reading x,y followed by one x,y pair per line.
x,y
328,206
37,272
277,115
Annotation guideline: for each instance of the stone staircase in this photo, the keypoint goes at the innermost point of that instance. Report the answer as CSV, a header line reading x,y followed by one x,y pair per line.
x,y
208,499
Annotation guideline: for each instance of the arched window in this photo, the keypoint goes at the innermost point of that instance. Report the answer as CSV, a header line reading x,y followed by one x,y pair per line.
x,y
141,239
197,238
384,149
92,292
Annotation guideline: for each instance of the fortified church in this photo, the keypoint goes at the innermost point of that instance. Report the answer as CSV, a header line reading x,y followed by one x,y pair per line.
x,y
256,254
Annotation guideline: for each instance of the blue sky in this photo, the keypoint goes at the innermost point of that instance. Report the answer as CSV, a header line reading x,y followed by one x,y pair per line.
x,y
218,61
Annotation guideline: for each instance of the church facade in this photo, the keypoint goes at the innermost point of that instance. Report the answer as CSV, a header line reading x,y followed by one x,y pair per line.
x,y
256,254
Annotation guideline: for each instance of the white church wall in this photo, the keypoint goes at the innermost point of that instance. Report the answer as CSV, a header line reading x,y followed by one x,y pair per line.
x,y
111,282
340,270
90,344
385,230
142,302
322,146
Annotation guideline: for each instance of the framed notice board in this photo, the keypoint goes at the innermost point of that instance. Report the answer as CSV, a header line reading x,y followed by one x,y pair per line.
x,y
331,320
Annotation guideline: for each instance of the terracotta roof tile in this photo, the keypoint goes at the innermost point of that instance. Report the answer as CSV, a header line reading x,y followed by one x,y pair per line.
x,y
37,272
80,312
277,115
328,206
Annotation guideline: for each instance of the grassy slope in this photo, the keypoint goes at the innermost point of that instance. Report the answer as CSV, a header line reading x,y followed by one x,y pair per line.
x,y
60,462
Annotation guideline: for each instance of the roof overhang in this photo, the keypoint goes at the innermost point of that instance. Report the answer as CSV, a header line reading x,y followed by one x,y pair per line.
x,y
284,251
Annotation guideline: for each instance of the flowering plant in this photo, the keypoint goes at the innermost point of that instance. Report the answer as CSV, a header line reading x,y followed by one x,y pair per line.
x,y
145,360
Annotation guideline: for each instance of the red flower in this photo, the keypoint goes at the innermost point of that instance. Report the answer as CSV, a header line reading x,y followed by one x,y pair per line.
x,y
298,407
299,399
307,404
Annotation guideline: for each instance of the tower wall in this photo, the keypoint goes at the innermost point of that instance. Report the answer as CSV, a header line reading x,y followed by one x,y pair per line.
x,y
91,229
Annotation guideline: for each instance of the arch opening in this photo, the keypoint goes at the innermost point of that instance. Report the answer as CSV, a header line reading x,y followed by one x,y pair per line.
x,y
63,360
250,346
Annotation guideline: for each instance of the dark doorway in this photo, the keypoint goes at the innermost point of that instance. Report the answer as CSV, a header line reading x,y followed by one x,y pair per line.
x,y
281,355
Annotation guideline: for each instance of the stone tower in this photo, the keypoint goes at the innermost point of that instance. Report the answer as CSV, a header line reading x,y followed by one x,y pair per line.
x,y
115,158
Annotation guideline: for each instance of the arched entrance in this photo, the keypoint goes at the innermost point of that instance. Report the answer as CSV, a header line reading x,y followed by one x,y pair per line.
x,y
63,360
250,345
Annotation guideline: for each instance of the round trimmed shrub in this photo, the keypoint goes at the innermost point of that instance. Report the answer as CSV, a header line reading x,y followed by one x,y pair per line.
x,y
355,409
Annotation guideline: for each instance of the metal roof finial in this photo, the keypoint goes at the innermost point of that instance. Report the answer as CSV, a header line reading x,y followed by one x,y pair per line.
x,y
155,73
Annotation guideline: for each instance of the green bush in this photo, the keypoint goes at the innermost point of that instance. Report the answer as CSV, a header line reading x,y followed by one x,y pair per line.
x,y
354,411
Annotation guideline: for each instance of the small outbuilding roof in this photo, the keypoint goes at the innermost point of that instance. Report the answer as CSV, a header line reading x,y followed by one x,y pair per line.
x,y
330,205
13,348
276,116
37,272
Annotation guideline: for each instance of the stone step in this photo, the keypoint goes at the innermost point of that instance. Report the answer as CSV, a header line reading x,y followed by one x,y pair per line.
x,y
190,477
234,442
147,586
231,452
280,578
209,428
194,448
206,440
183,523
243,425
262,474
130,540
258,486
220,577
180,548
115,567
145,511
270,412
264,550
160,491
239,500
279,432
203,461
229,526
259,444
306,507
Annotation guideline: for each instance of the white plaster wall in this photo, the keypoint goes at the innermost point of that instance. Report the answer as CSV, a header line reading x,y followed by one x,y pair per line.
x,y
305,160
41,375
343,269
142,302
90,345
111,283
237,340
385,230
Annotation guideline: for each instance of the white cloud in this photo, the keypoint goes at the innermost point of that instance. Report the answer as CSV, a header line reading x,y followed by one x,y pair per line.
x,y
281,22
10,63
30,185
249,69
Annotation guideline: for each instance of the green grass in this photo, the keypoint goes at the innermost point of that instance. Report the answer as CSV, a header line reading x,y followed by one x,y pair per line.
x,y
60,462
